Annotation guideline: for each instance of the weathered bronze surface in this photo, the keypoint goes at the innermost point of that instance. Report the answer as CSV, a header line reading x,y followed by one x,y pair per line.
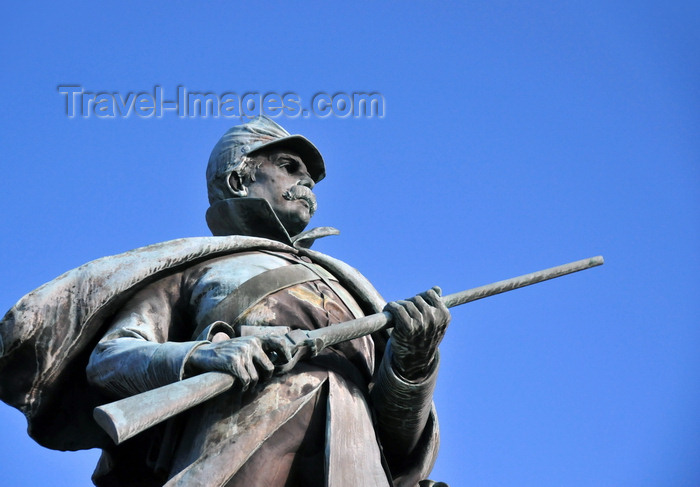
x,y
241,359
359,413
127,417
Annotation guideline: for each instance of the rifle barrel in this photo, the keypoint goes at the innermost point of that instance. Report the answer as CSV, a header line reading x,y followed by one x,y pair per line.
x,y
499,287
325,337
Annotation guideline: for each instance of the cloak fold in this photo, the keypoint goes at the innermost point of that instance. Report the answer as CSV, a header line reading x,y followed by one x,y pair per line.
x,y
47,337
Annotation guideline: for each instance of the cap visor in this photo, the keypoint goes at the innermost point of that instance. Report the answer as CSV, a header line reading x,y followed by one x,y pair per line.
x,y
306,150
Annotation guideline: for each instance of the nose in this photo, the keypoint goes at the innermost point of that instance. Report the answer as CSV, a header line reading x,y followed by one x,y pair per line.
x,y
307,181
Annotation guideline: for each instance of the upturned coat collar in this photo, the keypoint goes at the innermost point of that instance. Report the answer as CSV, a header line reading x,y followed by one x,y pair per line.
x,y
254,217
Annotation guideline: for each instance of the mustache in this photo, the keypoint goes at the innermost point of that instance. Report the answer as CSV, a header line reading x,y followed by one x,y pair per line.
x,y
298,192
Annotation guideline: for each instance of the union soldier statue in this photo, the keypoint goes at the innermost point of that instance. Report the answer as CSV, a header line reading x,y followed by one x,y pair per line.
x,y
357,414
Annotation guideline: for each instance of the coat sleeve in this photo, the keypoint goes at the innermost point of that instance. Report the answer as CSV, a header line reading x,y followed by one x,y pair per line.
x,y
142,349
403,411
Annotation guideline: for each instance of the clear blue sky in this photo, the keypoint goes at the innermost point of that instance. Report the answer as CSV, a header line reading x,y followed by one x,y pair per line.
x,y
515,137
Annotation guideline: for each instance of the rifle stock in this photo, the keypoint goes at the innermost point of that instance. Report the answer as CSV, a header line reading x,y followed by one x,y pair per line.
x,y
127,417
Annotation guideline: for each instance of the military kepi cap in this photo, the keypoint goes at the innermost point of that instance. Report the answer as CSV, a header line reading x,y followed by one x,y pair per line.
x,y
256,135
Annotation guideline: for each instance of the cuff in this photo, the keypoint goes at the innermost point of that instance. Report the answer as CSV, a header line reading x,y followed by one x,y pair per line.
x,y
432,368
403,406
168,362
398,385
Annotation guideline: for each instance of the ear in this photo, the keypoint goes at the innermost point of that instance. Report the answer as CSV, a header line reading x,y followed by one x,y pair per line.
x,y
235,184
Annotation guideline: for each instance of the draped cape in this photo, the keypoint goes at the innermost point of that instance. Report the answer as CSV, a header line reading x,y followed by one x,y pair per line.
x,y
47,337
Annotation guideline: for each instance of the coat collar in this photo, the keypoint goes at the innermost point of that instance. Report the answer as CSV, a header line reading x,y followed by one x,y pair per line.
x,y
254,217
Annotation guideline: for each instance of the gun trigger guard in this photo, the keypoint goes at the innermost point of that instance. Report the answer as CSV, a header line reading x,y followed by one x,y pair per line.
x,y
284,368
312,347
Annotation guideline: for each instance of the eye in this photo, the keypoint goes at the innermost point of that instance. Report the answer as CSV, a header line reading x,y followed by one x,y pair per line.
x,y
290,165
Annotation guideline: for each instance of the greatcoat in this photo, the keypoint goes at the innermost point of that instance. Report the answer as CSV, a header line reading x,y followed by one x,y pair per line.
x,y
127,310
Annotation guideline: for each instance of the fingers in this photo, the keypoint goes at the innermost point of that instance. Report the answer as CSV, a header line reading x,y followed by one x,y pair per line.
x,y
244,358
432,296
256,363
421,305
237,357
242,370
423,310
438,309
397,309
420,324
407,318
278,345
263,365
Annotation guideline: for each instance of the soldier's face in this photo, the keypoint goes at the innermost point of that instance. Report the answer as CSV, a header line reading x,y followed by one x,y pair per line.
x,y
283,180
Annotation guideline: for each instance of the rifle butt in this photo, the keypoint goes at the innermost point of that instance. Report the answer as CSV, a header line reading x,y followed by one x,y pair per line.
x,y
130,416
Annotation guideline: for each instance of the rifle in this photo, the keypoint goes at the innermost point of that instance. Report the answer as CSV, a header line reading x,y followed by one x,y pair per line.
x,y
127,417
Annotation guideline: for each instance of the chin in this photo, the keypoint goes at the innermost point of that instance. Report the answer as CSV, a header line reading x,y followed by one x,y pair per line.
x,y
293,224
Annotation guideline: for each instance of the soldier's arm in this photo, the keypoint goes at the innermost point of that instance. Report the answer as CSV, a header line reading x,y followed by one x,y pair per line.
x,y
145,346
403,390
150,345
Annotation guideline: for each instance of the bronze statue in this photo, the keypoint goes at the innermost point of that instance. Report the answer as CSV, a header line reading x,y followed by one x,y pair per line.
x,y
240,306
358,413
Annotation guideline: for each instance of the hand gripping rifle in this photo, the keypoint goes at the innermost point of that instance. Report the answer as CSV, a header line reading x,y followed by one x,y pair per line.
x,y
127,417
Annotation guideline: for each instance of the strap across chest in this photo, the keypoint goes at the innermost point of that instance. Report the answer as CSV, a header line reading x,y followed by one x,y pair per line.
x,y
258,287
